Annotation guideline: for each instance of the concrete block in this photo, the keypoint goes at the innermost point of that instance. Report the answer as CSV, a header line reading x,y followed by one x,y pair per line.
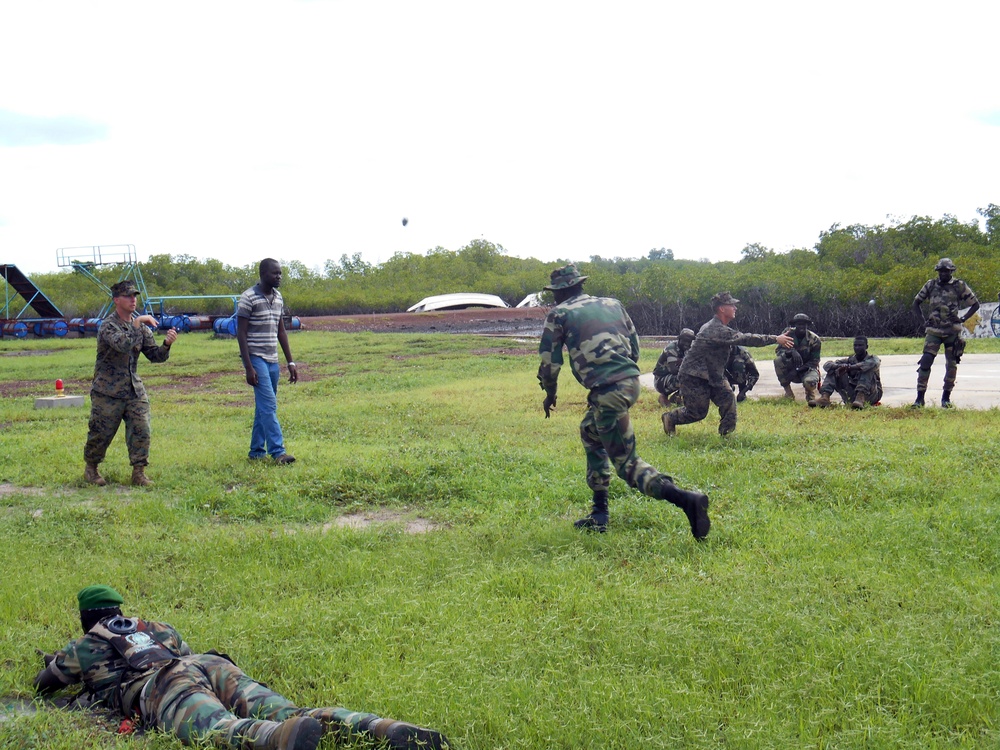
x,y
58,402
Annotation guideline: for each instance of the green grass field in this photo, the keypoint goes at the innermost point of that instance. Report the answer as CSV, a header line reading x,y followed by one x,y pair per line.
x,y
847,596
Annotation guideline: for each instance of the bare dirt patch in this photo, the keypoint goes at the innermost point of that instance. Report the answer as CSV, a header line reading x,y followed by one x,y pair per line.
x,y
6,489
498,321
364,520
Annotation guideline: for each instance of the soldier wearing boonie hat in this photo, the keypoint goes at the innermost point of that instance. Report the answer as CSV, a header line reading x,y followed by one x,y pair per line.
x,y
703,372
603,350
143,670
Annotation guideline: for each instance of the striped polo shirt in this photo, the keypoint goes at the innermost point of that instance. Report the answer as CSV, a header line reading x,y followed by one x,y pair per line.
x,y
263,315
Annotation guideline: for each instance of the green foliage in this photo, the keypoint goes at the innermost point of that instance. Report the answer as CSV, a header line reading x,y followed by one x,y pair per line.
x,y
847,596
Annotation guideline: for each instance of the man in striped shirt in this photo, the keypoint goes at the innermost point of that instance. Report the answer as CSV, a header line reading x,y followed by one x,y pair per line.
x,y
259,331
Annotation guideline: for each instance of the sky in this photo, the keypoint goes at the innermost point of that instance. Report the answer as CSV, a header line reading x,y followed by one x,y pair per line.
x,y
239,130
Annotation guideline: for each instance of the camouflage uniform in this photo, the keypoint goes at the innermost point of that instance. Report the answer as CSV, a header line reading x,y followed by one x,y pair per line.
x,y
603,350
944,327
864,384
117,392
702,374
790,371
741,370
199,697
665,379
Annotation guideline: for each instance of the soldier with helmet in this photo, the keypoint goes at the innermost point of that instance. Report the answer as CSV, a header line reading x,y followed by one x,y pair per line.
x,y
946,297
703,371
800,362
603,350
668,365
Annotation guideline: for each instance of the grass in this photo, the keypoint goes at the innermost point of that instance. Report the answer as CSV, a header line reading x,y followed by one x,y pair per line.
x,y
846,597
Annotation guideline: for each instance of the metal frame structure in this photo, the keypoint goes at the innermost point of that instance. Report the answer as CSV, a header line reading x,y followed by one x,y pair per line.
x,y
85,259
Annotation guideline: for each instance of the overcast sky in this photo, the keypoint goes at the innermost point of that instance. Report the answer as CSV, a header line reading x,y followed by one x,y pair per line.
x,y
307,130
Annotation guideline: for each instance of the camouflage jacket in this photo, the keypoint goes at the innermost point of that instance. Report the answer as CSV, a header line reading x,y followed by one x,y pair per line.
x,y
95,662
946,300
871,363
118,347
708,355
601,340
670,360
807,346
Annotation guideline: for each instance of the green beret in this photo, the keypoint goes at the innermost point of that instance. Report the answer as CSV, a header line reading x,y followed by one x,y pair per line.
x,y
98,597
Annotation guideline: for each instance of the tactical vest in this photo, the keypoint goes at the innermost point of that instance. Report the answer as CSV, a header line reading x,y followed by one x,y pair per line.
x,y
127,636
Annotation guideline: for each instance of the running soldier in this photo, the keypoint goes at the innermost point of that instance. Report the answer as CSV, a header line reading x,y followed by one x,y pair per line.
x,y
702,374
603,351
800,362
117,393
947,296
143,670
855,378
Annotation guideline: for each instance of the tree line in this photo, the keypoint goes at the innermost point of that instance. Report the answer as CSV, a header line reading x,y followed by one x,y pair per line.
x,y
833,282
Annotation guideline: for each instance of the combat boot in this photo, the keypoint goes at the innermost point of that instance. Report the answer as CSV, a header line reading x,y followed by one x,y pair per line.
x,y
919,403
788,393
297,733
810,395
694,505
139,478
859,401
93,476
668,424
398,735
823,401
598,518
946,400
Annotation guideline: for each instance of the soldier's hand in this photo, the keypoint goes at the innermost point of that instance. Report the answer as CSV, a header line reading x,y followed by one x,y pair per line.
x,y
45,657
785,340
548,404
171,337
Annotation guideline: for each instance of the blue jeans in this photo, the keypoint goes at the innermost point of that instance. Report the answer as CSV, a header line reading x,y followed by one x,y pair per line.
x,y
266,436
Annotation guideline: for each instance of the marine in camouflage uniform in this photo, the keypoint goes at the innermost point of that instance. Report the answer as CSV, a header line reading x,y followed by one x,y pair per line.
x,y
603,351
144,668
946,297
800,363
668,365
117,392
702,373
741,371
856,378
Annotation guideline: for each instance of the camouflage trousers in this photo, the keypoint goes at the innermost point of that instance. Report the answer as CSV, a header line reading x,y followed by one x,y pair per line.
x,y
932,345
698,394
207,699
608,440
743,375
787,373
106,414
850,386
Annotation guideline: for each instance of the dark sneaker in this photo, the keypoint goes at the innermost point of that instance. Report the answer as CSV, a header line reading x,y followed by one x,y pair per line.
x,y
594,522
285,458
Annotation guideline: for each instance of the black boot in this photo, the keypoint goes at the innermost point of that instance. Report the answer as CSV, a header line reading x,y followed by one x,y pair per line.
x,y
694,505
946,400
598,518
918,404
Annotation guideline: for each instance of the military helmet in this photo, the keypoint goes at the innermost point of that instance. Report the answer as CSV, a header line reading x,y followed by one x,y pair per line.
x,y
801,318
565,277
945,264
723,298
686,334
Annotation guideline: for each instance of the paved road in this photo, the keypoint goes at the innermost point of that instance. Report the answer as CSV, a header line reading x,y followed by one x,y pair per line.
x,y
978,385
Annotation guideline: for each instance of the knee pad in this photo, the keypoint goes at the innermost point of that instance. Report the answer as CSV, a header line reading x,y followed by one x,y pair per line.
x,y
926,360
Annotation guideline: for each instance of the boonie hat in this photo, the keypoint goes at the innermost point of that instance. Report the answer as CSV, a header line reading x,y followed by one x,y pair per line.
x,y
565,277
945,264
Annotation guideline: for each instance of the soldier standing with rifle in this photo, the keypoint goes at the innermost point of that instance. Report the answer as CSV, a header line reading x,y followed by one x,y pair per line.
x,y
603,350
943,325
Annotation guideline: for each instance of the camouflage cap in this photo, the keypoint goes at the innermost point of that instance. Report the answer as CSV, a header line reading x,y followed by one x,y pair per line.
x,y
565,277
686,334
723,298
801,318
945,264
124,289
98,597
